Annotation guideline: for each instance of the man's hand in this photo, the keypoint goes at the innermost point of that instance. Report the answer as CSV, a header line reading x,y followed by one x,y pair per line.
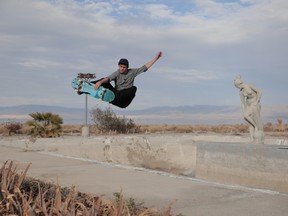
x,y
97,85
100,82
159,55
149,64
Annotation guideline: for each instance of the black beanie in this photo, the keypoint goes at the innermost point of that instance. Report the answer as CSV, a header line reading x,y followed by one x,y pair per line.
x,y
123,62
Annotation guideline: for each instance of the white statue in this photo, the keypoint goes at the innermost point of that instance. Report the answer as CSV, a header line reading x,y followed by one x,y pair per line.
x,y
251,107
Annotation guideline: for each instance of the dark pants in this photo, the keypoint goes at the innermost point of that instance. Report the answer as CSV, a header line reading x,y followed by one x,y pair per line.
x,y
123,98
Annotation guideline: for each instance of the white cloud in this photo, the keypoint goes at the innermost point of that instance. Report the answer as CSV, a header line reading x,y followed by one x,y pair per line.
x,y
191,75
159,11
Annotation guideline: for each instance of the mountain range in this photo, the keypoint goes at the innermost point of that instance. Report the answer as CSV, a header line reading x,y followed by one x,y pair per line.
x,y
197,114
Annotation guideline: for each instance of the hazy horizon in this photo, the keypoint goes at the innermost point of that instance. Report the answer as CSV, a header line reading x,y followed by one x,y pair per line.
x,y
197,114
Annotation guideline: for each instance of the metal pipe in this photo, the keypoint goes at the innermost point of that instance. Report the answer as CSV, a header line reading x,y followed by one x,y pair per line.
x,y
86,110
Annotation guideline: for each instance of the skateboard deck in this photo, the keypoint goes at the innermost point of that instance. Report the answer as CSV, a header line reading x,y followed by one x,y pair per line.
x,y
86,87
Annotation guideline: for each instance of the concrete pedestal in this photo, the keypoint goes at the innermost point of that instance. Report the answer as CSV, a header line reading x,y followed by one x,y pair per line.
x,y
85,131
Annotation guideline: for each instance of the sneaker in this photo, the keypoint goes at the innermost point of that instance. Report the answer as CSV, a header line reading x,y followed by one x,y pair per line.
x,y
79,92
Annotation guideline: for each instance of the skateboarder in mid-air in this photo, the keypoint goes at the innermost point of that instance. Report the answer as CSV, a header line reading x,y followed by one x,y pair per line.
x,y
124,89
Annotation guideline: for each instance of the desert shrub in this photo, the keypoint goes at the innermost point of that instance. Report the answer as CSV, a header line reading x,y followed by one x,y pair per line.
x,y
235,129
150,128
241,128
184,129
280,126
268,127
71,129
106,120
45,125
13,127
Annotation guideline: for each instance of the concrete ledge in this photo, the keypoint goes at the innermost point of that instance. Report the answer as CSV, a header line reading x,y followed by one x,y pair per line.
x,y
169,153
258,166
224,159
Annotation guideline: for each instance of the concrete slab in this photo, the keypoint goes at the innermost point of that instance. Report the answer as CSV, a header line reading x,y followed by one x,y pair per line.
x,y
155,188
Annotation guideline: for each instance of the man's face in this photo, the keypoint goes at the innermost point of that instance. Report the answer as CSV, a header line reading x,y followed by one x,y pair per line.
x,y
122,68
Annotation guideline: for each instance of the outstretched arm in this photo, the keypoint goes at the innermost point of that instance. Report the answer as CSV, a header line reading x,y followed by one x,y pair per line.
x,y
150,63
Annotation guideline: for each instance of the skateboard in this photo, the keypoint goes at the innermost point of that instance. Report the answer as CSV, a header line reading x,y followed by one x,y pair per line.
x,y
84,86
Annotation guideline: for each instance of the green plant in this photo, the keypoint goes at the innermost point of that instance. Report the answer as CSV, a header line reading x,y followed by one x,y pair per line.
x,y
45,125
106,120
132,207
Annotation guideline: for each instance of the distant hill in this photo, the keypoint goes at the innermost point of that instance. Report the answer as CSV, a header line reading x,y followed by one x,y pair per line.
x,y
26,109
196,109
197,114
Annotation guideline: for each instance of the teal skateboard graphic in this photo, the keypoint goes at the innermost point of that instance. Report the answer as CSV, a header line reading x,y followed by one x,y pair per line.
x,y
84,86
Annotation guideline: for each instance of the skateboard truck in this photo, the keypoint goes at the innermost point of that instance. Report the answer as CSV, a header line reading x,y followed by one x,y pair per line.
x,y
82,85
103,93
84,77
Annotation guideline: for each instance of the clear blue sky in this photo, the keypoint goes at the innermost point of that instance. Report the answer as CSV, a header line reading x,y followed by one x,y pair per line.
x,y
205,44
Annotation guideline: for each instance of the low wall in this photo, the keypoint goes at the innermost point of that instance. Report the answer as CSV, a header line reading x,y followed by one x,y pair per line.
x,y
260,166
227,159
169,153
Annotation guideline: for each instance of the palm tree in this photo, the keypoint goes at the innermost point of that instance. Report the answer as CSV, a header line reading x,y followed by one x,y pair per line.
x,y
45,125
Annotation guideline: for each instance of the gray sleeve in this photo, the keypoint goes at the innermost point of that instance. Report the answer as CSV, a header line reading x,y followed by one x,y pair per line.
x,y
140,70
113,76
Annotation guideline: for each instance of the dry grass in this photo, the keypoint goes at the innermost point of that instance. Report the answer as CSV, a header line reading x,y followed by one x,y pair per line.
x,y
270,129
193,129
21,195
236,129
